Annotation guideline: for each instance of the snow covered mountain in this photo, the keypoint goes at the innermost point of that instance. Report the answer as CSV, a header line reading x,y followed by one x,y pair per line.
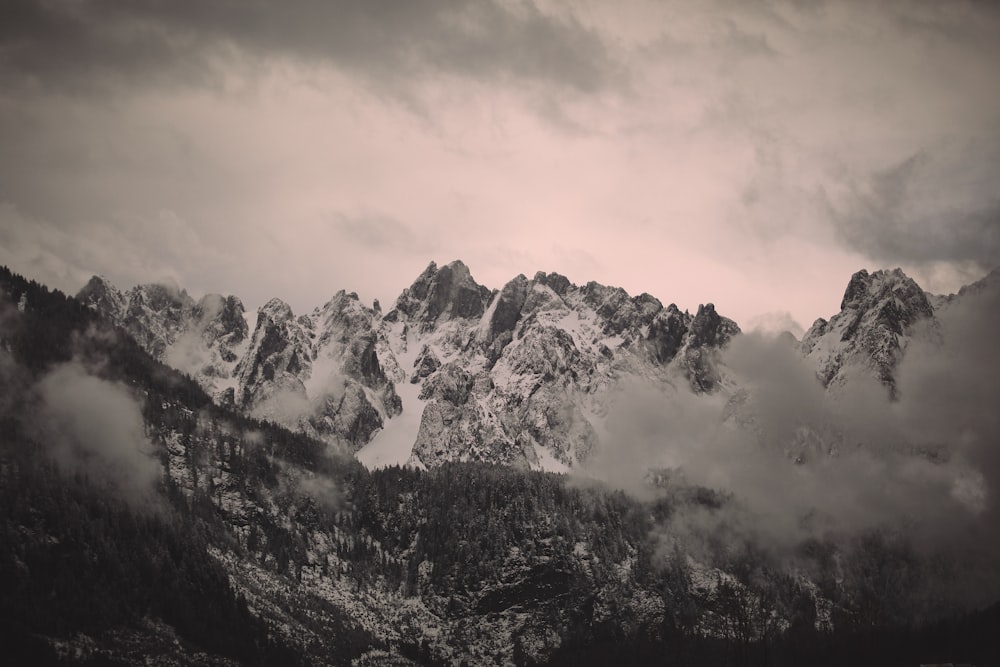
x,y
204,338
454,371
522,376
876,319
318,373
266,544
886,330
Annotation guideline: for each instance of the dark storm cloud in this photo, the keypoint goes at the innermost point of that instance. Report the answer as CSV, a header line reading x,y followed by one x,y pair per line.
x,y
75,46
208,141
919,211
82,43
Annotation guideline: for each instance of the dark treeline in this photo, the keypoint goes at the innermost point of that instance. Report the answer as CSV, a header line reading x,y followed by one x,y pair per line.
x,y
75,559
464,519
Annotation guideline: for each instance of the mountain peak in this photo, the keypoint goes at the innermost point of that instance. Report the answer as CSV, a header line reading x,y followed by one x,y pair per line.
x,y
220,320
897,298
554,281
213,303
856,288
429,272
276,310
457,265
98,281
872,326
165,297
101,295
864,287
447,292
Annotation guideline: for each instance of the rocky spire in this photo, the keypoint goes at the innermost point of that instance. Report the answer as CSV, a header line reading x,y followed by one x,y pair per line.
x,y
876,318
441,294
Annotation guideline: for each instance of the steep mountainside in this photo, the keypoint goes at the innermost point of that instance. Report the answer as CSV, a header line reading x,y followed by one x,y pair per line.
x,y
876,319
526,376
523,376
204,339
454,371
200,536
141,522
318,373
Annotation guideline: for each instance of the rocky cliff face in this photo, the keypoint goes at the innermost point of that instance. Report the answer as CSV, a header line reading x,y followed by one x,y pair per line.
x,y
441,294
880,314
871,331
521,376
318,373
525,376
269,377
461,564
204,338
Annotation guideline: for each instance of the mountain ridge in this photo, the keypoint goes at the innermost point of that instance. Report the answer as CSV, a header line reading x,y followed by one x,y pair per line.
x,y
522,375
275,548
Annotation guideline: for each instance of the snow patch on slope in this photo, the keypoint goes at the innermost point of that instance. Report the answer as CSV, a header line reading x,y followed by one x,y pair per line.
x,y
393,445
547,462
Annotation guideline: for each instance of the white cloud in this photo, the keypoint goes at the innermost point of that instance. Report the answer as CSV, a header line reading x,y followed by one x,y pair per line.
x,y
95,427
711,152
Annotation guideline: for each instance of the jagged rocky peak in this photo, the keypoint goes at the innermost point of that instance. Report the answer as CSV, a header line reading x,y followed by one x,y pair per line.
x,y
157,299
707,333
275,310
549,361
203,339
899,299
857,289
161,297
708,328
319,373
280,344
557,283
222,319
444,293
606,301
157,305
666,333
155,314
343,318
638,325
347,332
101,295
871,330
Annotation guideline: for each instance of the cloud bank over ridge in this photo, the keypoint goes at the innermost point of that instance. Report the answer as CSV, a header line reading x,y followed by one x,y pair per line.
x,y
749,154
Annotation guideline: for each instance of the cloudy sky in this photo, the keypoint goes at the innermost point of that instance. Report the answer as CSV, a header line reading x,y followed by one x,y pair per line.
x,y
752,154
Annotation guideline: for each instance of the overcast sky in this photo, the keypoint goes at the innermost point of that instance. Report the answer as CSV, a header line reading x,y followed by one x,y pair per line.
x,y
752,154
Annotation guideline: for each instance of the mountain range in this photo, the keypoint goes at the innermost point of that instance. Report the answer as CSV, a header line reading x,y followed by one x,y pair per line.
x,y
179,487
524,375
